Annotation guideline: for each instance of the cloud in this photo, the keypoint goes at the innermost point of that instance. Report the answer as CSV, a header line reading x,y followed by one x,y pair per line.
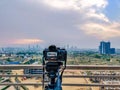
x,y
27,41
95,22
73,22
75,4
102,31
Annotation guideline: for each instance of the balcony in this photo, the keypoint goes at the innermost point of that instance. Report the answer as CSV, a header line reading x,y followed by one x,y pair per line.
x,y
104,78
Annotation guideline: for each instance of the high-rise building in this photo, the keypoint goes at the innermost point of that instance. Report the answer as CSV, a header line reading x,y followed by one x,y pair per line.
x,y
105,48
112,50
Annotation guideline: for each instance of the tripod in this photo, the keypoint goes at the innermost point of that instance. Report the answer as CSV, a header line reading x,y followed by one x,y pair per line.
x,y
54,74
55,83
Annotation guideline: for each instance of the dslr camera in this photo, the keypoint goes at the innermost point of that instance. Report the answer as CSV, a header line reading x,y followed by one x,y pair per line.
x,y
54,64
54,54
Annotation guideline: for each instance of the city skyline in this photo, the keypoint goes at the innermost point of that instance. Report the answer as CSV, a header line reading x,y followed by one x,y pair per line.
x,y
77,23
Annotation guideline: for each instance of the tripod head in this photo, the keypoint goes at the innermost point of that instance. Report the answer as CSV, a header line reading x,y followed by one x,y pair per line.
x,y
54,64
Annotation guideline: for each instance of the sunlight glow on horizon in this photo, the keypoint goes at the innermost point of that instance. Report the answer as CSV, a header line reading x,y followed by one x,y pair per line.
x,y
27,41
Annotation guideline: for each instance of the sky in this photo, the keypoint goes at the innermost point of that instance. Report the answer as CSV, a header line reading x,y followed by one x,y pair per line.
x,y
81,23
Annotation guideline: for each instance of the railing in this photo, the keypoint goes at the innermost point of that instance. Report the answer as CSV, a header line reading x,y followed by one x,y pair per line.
x,y
71,67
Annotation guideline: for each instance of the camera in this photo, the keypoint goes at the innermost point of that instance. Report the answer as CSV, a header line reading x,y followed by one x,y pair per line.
x,y
54,64
54,53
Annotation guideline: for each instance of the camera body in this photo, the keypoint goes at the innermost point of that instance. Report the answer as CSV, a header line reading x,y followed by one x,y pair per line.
x,y
54,54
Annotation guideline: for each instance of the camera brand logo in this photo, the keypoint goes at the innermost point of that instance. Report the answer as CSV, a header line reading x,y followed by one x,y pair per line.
x,y
51,54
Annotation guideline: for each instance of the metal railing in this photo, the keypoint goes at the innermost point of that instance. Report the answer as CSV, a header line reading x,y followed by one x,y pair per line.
x,y
73,67
70,67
